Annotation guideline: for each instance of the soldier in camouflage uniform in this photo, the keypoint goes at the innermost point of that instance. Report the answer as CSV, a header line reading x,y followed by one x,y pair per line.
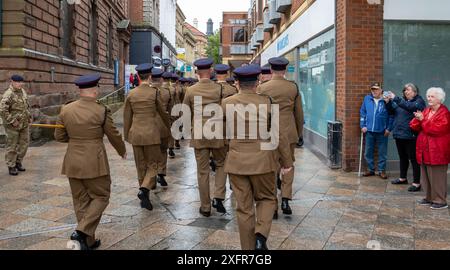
x,y
16,116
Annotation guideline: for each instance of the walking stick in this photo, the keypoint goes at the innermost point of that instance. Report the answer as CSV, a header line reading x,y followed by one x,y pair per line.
x,y
360,154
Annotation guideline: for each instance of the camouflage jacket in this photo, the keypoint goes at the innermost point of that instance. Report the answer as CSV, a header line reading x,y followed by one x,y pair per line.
x,y
14,106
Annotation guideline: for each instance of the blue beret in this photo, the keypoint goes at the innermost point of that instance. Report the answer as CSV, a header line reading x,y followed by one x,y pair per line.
x,y
144,68
88,81
248,73
167,75
157,73
278,63
16,78
204,63
221,69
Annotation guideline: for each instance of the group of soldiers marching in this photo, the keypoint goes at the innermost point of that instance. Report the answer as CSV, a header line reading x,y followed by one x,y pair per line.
x,y
253,173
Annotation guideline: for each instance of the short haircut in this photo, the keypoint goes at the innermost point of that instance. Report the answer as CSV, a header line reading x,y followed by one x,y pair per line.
x,y
248,84
439,92
144,76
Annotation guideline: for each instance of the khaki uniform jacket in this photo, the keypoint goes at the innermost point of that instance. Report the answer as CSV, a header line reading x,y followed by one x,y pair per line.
x,y
144,119
245,156
14,106
210,92
228,90
285,93
85,123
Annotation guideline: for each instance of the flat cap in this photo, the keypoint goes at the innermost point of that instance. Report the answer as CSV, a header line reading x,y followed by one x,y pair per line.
x,y
175,77
278,63
144,68
221,69
204,63
88,81
248,73
230,80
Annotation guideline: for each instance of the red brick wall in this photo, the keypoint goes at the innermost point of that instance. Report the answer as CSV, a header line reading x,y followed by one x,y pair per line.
x,y
35,25
226,31
136,11
359,63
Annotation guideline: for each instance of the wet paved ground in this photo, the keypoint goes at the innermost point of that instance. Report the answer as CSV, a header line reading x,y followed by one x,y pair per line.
x,y
332,210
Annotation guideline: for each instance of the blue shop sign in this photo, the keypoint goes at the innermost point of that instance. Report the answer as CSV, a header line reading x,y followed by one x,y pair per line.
x,y
283,43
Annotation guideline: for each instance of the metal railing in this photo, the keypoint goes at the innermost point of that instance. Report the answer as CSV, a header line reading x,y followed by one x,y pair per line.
x,y
114,97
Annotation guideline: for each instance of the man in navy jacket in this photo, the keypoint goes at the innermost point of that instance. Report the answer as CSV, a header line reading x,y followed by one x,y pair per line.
x,y
376,123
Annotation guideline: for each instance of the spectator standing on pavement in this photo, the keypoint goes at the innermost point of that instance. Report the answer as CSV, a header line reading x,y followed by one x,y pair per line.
x,y
16,116
376,123
131,80
433,148
405,139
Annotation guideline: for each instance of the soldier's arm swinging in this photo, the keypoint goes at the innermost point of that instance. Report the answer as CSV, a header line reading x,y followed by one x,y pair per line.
x,y
164,115
61,134
299,117
127,119
113,134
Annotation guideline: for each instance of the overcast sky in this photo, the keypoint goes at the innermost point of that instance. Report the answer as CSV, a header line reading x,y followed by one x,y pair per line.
x,y
205,9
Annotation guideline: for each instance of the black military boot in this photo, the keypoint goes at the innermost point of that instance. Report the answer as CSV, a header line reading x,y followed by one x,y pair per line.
x,y
80,237
260,242
278,182
171,153
13,171
19,167
162,181
144,196
285,206
217,203
177,145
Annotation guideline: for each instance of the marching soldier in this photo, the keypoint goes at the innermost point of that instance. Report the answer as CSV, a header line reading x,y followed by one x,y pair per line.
x,y
266,74
144,123
252,169
160,81
16,116
211,93
174,89
86,164
222,74
168,87
286,94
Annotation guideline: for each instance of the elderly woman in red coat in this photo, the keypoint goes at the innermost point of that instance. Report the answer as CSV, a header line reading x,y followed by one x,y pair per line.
x,y
433,148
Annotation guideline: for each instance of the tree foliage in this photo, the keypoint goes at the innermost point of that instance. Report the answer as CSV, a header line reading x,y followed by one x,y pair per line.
x,y
213,48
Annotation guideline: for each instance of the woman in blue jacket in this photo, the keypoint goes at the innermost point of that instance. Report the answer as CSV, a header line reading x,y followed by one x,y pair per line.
x,y
405,139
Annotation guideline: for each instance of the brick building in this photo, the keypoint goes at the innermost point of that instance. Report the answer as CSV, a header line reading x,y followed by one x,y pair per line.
x,y
53,42
337,48
234,39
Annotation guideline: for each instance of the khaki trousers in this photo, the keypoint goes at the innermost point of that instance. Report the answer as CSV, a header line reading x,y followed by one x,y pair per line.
x,y
287,180
248,190
203,171
16,147
434,182
146,158
162,162
90,199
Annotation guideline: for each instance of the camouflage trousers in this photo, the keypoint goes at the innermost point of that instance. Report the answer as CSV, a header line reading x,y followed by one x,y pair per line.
x,y
16,145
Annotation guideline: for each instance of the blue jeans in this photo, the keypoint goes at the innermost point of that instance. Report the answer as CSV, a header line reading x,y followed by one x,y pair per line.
x,y
381,142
